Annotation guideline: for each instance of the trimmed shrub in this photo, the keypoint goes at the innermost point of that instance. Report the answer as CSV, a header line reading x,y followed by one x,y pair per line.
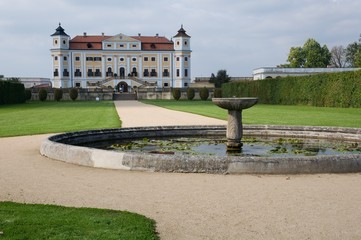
x,y
190,93
58,94
27,94
11,92
73,94
204,93
43,94
322,90
217,93
176,93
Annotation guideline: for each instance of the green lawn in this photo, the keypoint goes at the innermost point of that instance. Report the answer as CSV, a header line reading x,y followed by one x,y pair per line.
x,y
31,221
54,117
272,114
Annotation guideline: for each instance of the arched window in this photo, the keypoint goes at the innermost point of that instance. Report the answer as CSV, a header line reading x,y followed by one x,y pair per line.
x,y
109,72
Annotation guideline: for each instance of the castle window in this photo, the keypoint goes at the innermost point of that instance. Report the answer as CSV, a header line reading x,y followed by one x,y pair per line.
x,y
109,45
153,73
56,72
134,45
165,84
178,72
109,72
56,58
109,59
77,73
56,42
89,58
77,58
185,42
165,59
177,59
98,73
178,43
98,59
186,72
77,84
121,59
145,59
166,73
134,59
65,73
64,42
186,59
90,72
153,59
186,84
146,73
121,45
65,58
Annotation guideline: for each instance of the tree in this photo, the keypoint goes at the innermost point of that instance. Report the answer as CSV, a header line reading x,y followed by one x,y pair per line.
x,y
222,77
338,57
353,54
311,55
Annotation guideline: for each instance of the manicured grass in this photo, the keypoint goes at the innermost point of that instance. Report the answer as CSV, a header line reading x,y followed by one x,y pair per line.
x,y
53,117
272,114
31,221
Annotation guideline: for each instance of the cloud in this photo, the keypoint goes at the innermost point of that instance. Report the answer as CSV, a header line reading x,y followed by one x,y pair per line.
x,y
234,35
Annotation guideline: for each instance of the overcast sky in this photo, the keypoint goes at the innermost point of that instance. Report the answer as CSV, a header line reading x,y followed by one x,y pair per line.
x,y
236,35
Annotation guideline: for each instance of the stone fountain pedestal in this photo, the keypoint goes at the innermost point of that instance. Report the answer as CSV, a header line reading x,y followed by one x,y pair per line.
x,y
234,126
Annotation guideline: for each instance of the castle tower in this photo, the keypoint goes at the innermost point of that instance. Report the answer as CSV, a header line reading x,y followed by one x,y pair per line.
x,y
182,57
61,59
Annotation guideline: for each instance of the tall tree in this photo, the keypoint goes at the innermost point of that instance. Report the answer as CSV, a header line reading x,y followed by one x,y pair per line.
x,y
222,77
351,53
311,55
338,57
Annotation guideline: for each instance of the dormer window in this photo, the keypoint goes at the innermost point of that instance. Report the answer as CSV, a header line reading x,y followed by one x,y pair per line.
x,y
178,43
185,43
152,46
109,45
64,42
134,45
56,42
134,59
109,59
89,45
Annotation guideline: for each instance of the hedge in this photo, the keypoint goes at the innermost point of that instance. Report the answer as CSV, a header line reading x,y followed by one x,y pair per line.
x,y
322,90
11,93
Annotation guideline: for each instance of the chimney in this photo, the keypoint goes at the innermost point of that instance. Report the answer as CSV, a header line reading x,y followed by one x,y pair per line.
x,y
157,35
139,34
84,34
102,34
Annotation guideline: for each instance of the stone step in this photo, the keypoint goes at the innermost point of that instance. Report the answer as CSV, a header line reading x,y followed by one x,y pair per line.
x,y
124,96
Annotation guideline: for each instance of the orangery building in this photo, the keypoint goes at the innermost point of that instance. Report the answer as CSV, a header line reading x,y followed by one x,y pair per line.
x,y
120,61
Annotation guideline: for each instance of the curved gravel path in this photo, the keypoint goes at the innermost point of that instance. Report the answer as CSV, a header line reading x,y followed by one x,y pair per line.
x,y
189,206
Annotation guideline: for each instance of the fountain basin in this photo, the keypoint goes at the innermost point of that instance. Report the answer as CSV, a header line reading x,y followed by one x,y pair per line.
x,y
62,147
236,104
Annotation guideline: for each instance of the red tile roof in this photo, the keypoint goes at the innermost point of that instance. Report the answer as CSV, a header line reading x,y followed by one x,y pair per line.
x,y
87,42
155,43
149,43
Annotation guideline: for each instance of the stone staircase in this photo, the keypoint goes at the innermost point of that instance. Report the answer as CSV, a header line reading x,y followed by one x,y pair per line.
x,y
124,96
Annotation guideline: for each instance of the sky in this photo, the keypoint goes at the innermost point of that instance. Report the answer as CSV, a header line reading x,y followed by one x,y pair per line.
x,y
235,35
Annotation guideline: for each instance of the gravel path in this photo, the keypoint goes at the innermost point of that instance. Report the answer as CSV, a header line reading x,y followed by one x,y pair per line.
x,y
189,206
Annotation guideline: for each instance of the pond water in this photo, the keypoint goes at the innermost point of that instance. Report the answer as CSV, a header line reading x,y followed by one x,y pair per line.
x,y
253,146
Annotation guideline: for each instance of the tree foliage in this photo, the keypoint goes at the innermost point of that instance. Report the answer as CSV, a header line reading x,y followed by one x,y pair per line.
x,y
353,54
338,57
311,55
222,77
